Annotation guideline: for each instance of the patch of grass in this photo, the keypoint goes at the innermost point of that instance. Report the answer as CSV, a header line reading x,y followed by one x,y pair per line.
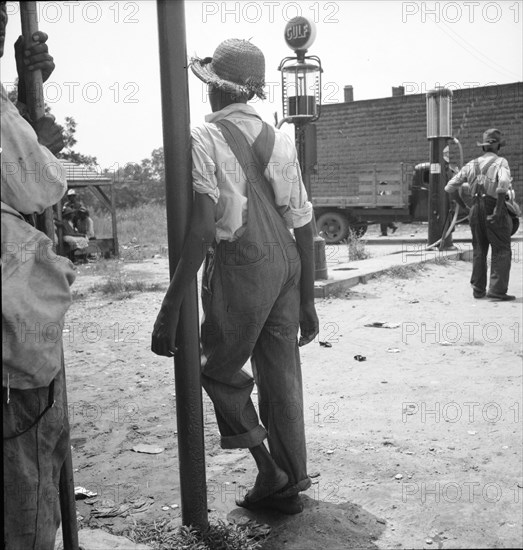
x,y
356,247
443,260
219,536
119,287
401,271
142,230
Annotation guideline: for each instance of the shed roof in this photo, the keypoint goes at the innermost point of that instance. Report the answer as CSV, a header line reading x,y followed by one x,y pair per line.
x,y
78,175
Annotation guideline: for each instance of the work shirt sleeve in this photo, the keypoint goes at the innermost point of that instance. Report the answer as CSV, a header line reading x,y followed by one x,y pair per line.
x,y
203,166
33,179
458,180
284,174
504,177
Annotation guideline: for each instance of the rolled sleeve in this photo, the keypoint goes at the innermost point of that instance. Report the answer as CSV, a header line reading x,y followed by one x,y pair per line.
x,y
284,173
300,216
203,167
504,177
457,181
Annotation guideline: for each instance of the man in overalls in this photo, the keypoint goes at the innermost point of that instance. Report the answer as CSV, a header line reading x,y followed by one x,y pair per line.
x,y
490,223
258,285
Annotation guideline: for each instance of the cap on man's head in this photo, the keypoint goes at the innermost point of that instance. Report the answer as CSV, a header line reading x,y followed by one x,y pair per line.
x,y
71,192
491,137
237,67
67,212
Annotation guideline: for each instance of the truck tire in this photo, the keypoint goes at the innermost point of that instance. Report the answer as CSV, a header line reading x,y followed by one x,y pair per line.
x,y
333,227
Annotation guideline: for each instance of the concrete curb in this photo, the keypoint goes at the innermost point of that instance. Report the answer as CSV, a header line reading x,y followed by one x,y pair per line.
x,y
364,270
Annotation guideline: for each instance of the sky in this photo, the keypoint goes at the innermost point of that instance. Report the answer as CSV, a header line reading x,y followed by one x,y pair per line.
x,y
107,65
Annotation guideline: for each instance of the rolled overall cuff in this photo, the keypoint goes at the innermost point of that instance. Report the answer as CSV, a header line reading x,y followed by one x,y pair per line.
x,y
246,440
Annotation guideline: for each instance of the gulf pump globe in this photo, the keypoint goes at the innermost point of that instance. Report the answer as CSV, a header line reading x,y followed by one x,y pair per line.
x,y
439,113
301,75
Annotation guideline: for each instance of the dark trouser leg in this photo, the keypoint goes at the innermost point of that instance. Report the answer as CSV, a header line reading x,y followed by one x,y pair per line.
x,y
499,237
235,413
227,341
276,365
32,464
480,246
383,228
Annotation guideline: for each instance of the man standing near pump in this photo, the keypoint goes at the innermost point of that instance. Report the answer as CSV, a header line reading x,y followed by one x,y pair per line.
x,y
490,223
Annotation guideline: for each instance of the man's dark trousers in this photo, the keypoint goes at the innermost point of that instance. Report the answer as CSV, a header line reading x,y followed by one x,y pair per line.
x,y
496,234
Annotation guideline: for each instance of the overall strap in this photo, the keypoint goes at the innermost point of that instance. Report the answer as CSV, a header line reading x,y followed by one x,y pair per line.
x,y
264,145
253,165
481,172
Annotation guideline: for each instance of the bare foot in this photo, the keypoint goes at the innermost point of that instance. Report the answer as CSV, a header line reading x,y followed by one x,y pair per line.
x,y
267,484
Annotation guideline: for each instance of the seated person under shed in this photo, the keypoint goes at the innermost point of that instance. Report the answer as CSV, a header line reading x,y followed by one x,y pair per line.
x,y
73,202
84,223
72,239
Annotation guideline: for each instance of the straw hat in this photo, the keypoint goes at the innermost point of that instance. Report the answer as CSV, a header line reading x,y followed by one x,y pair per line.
x,y
237,66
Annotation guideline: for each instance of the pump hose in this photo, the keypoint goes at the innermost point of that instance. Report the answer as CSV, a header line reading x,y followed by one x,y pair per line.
x,y
453,223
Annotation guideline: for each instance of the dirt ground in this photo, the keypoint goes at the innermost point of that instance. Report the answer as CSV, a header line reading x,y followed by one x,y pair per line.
x,y
418,446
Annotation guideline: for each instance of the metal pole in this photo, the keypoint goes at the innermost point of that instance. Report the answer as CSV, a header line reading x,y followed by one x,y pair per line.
x,y
179,195
35,96
438,199
36,107
66,488
320,262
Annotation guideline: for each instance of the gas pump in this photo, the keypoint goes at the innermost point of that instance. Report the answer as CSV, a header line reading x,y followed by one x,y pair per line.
x,y
443,216
301,101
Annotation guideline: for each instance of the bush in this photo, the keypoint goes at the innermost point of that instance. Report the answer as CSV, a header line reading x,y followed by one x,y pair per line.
x,y
356,247
218,536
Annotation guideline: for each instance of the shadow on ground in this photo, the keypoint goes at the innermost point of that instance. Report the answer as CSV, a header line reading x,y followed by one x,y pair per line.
x,y
320,525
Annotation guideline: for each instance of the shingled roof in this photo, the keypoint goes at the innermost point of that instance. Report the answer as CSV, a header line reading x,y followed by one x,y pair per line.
x,y
79,174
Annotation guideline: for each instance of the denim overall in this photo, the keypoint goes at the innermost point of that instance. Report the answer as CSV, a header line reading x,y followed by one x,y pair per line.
x,y
251,304
495,234
34,452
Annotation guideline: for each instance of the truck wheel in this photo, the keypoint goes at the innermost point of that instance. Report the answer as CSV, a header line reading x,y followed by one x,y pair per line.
x,y
333,227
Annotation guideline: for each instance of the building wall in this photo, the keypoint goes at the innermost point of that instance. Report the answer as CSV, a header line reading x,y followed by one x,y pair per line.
x,y
393,130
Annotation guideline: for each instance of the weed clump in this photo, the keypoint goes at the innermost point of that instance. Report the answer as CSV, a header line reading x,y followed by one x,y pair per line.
x,y
218,536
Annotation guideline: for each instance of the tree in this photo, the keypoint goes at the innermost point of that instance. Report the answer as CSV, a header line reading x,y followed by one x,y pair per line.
x,y
140,182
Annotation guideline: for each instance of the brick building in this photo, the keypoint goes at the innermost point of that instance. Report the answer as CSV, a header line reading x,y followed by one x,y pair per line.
x,y
393,129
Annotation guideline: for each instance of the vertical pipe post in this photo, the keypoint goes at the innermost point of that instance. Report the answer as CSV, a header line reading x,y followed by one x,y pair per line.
x,y
114,224
35,96
66,487
36,107
179,197
438,199
320,262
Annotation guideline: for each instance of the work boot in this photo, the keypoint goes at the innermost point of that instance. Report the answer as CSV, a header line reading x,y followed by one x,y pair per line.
x,y
501,298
